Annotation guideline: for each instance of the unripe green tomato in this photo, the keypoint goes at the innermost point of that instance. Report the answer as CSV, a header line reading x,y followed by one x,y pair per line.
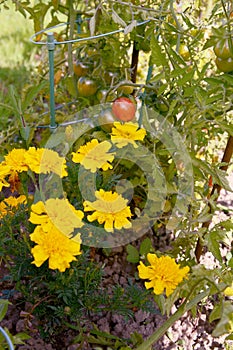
x,y
86,87
162,106
80,69
125,89
110,77
225,66
106,120
222,49
184,52
101,96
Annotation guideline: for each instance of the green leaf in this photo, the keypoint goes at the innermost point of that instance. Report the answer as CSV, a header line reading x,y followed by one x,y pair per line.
x,y
160,301
176,57
15,100
230,263
133,254
136,338
219,176
215,313
25,132
187,77
32,92
213,239
20,337
227,224
157,56
3,308
225,325
145,247
117,19
229,337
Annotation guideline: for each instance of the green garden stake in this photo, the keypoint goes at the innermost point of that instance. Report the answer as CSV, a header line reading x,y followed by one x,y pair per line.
x,y
79,22
51,48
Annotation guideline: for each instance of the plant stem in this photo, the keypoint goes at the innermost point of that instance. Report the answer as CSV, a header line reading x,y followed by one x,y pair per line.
x,y
216,188
146,345
134,63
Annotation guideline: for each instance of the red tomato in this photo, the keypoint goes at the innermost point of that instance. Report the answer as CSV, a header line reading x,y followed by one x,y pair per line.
x,y
124,109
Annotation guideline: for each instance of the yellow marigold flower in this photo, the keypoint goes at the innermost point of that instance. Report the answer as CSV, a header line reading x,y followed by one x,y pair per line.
x,y
123,134
54,246
11,202
15,160
4,172
44,160
56,212
94,155
111,209
163,273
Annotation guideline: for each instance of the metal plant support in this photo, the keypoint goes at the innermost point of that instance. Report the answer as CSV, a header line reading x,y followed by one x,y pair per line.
x,y
51,44
8,340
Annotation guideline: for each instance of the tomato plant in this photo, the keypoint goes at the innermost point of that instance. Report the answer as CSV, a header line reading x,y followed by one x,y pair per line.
x,y
124,109
86,87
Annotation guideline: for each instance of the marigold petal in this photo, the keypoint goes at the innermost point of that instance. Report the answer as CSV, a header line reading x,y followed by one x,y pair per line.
x,y
39,254
145,272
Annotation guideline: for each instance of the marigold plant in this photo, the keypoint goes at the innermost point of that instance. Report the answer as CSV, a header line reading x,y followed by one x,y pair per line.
x,y
11,202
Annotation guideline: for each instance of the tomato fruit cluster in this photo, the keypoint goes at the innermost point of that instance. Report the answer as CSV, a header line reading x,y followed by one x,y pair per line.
x,y
224,55
123,109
